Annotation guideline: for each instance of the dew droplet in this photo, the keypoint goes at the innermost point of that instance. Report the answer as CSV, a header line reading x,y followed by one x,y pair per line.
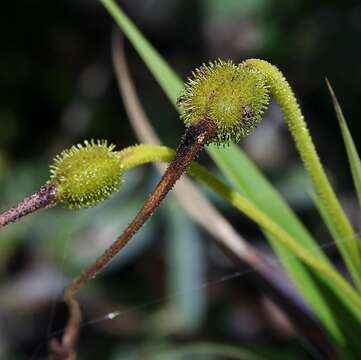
x,y
113,315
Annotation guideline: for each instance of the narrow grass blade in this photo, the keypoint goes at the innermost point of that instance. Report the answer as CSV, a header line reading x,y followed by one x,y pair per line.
x,y
352,154
324,297
186,268
326,218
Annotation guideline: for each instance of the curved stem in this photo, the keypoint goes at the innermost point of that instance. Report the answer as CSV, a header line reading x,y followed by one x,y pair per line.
x,y
141,154
191,144
348,242
265,222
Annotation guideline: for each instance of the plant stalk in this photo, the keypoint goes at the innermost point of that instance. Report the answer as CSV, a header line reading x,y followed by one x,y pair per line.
x,y
347,240
44,198
142,154
192,143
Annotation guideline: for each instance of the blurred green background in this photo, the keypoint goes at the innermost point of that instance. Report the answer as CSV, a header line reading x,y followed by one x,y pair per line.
x,y
58,88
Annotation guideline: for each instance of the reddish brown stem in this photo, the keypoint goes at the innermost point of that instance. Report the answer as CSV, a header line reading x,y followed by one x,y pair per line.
x,y
43,198
191,144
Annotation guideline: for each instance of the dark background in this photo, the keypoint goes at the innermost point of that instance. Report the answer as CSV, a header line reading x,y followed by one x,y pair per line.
x,y
58,88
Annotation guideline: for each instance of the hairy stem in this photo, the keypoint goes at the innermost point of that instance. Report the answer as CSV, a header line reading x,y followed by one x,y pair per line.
x,y
44,198
347,240
191,144
141,154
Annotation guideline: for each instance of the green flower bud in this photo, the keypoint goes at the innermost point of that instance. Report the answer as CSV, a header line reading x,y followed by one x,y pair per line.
x,y
85,175
234,97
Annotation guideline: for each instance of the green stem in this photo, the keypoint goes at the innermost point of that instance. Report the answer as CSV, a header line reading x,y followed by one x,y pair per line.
x,y
347,240
141,154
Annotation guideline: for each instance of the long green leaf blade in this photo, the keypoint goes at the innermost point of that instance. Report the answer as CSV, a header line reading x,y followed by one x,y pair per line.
x,y
352,154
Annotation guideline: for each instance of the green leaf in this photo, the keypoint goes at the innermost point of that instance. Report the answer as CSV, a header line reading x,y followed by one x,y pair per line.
x,y
186,267
337,315
353,156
